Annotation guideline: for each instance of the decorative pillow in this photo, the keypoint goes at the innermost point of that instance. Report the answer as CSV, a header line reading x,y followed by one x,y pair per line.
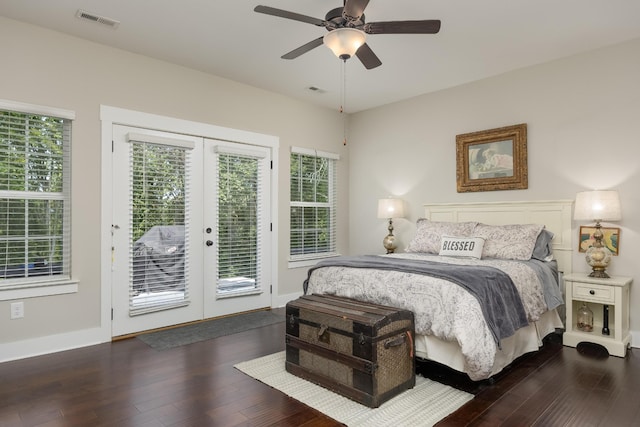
x,y
543,250
514,241
429,234
466,247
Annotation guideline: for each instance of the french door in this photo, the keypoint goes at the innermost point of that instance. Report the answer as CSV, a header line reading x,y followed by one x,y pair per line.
x,y
190,229
237,259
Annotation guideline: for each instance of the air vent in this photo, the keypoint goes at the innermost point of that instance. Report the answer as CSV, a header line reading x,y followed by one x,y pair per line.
x,y
83,14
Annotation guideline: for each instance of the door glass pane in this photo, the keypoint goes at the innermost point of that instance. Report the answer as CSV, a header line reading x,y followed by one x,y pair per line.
x,y
238,215
159,220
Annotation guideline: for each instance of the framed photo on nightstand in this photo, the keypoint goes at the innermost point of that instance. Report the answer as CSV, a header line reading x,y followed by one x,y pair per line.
x,y
611,238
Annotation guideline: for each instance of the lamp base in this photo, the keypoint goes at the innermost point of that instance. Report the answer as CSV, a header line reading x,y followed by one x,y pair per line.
x,y
389,243
600,274
598,256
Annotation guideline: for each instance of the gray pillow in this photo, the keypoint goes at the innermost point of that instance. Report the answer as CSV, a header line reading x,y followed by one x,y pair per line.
x,y
543,250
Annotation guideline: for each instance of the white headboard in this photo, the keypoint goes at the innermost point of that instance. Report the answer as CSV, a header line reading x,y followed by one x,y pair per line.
x,y
554,214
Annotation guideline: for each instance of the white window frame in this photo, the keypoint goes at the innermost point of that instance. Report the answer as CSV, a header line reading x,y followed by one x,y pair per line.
x,y
16,288
306,260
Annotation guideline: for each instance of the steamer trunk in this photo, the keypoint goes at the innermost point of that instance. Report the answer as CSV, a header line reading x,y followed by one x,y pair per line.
x,y
360,350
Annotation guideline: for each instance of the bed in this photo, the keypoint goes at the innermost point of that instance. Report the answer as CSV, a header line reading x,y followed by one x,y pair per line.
x,y
454,324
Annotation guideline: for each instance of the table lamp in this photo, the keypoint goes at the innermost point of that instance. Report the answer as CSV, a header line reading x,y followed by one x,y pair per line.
x,y
597,205
389,209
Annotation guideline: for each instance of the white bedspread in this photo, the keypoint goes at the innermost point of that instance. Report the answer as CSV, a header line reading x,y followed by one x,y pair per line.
x,y
441,308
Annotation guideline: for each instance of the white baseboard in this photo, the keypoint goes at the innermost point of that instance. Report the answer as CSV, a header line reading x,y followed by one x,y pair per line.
x,y
16,350
635,339
282,300
52,344
84,338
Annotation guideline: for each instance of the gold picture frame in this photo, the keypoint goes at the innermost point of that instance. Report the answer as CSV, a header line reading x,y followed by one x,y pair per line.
x,y
611,238
493,159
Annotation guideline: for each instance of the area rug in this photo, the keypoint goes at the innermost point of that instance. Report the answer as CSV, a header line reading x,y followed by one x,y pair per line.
x,y
171,338
424,405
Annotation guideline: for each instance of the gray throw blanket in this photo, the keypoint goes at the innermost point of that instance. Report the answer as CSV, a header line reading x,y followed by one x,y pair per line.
x,y
498,297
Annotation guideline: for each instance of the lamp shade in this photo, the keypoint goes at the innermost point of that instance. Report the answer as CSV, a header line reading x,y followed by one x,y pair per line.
x,y
597,205
344,42
390,208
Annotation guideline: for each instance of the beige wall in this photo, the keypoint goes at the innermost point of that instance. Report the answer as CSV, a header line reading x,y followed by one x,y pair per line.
x,y
582,115
51,69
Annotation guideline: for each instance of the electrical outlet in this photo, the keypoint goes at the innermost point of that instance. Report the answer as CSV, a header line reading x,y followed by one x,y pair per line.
x,y
17,310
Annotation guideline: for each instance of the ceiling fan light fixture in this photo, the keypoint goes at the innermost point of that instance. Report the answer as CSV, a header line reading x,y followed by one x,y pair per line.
x,y
344,42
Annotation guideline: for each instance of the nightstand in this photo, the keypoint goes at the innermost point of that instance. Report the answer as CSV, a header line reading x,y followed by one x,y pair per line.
x,y
607,298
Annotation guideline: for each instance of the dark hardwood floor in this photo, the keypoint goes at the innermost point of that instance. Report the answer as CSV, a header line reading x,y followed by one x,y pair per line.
x,y
126,383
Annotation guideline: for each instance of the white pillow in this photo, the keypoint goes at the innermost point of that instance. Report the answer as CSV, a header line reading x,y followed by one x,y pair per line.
x,y
467,247
514,241
429,234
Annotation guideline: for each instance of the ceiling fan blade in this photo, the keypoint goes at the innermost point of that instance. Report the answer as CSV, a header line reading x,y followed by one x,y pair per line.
x,y
367,57
353,9
430,26
289,15
303,49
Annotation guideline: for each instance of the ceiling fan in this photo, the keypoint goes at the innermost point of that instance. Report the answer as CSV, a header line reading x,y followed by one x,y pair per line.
x,y
347,30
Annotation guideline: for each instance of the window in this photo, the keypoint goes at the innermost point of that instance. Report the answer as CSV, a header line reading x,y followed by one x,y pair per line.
x,y
35,207
313,204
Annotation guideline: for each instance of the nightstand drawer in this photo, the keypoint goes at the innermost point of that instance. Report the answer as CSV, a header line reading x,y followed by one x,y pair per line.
x,y
595,293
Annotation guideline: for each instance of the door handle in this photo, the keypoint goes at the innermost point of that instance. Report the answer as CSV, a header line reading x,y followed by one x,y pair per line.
x,y
209,243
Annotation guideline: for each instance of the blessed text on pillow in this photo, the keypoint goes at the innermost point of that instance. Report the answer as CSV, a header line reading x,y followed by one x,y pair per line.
x,y
467,247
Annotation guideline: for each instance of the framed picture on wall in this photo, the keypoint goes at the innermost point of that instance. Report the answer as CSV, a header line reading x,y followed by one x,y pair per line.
x,y
611,238
493,159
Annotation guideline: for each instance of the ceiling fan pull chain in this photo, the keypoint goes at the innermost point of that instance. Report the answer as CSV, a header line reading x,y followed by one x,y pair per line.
x,y
343,100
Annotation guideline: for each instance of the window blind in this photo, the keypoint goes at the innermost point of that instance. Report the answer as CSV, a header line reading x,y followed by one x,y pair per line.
x,y
312,204
35,172
240,213
159,224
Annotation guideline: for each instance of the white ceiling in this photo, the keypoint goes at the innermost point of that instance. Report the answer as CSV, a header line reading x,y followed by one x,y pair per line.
x,y
478,39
